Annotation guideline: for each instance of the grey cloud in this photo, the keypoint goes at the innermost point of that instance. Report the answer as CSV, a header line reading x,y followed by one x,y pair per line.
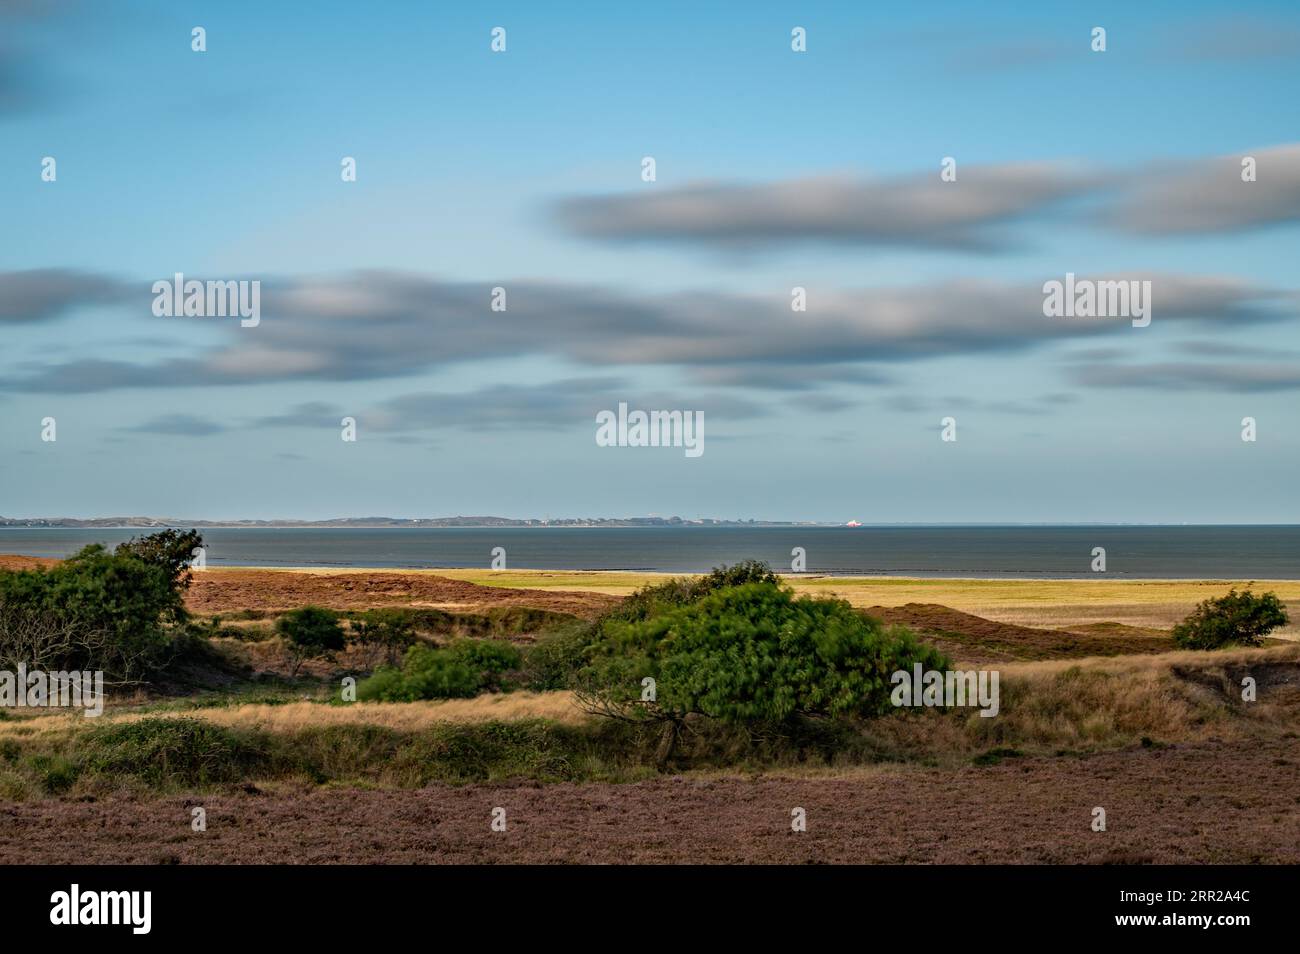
x,y
1238,39
555,405
379,325
178,425
1209,196
913,404
310,414
1188,376
916,211
971,214
44,293
1222,349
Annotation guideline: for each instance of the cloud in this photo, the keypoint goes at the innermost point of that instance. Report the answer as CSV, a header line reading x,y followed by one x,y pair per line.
x,y
1208,196
914,404
385,325
46,293
1235,40
554,405
178,425
919,211
972,214
1192,376
310,414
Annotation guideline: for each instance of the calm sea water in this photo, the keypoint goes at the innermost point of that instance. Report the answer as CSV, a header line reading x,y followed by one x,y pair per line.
x,y
1221,552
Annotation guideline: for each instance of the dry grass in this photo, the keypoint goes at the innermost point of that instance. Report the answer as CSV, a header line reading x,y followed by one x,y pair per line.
x,y
1058,604
294,716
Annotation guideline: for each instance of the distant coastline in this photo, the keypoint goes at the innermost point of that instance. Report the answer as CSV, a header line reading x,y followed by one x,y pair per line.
x,y
488,522
379,523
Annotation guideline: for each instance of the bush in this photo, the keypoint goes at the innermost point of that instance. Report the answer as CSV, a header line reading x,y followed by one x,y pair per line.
x,y
383,635
557,656
170,751
311,632
682,591
460,670
750,655
115,608
1238,619
172,550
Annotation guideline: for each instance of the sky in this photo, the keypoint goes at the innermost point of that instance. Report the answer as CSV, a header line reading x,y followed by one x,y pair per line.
x,y
774,169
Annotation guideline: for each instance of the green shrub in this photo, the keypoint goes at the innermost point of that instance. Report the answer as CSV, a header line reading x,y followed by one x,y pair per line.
x,y
748,655
383,635
682,591
170,751
1237,619
311,632
460,670
113,608
552,662
172,550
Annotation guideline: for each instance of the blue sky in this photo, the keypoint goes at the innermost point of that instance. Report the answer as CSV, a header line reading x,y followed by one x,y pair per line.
x,y
774,169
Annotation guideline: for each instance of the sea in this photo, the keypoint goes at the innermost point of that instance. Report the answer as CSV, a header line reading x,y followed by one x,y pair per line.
x,y
1062,552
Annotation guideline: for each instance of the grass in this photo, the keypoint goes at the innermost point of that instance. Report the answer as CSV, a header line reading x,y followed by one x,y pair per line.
x,y
1055,708
1149,604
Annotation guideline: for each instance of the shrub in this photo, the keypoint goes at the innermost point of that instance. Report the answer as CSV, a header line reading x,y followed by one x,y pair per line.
x,y
116,608
460,670
752,654
682,591
172,550
383,635
311,632
170,751
556,657
1237,619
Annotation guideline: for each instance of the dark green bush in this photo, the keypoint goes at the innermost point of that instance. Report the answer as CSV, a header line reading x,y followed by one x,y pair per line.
x,y
311,632
172,550
117,608
1237,619
383,635
753,655
462,669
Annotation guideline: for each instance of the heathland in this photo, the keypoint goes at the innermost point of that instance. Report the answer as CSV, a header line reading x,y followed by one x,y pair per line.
x,y
250,721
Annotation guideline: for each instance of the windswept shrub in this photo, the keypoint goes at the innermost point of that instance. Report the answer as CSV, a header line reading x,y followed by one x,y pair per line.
x,y
1237,619
173,550
460,670
749,655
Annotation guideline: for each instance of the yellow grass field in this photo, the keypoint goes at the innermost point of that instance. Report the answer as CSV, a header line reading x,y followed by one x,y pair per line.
x,y
1055,604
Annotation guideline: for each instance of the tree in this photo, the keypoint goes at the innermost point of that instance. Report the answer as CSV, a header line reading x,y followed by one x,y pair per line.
x,y
1237,619
751,654
170,549
311,632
